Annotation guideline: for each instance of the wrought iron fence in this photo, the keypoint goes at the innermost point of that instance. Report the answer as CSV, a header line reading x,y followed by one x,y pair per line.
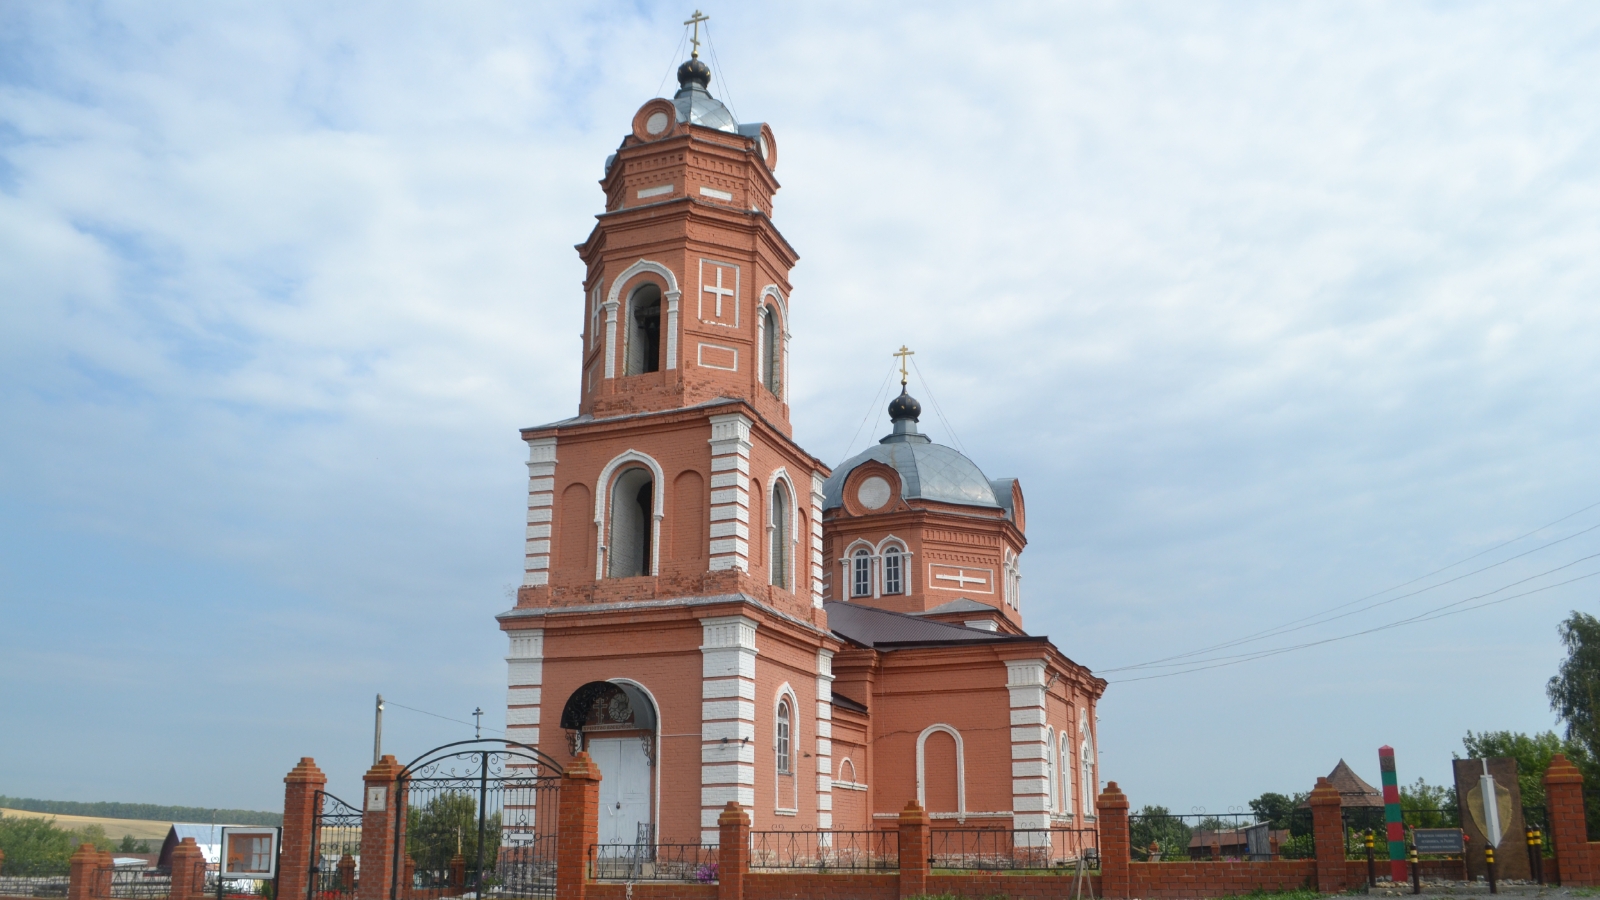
x,y
1234,835
133,883
32,885
1022,850
696,863
826,851
335,849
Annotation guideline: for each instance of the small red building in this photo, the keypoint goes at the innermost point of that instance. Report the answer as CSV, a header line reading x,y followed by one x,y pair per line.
x,y
716,615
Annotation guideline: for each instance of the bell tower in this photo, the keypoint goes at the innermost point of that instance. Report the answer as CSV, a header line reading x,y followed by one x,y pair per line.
x,y
687,288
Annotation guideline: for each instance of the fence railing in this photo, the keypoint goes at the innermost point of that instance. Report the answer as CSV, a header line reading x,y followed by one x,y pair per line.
x,y
696,863
1005,849
1170,837
33,885
826,851
133,883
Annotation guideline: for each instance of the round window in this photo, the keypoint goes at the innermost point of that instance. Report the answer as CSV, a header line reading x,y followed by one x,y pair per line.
x,y
874,492
657,123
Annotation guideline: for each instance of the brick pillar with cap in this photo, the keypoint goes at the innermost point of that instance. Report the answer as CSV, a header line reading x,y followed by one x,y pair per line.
x,y
380,829
1112,808
1327,827
915,846
82,871
300,793
188,871
579,817
1569,830
733,851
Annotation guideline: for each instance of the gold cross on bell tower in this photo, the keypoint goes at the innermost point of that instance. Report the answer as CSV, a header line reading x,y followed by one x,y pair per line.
x,y
903,353
695,20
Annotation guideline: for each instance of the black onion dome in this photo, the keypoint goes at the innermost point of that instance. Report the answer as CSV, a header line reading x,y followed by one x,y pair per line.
x,y
905,406
696,71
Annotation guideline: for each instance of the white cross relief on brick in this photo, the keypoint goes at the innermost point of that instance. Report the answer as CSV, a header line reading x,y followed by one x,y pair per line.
x,y
960,578
719,293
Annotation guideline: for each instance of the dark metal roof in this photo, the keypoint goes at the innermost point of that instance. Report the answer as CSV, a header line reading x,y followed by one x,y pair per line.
x,y
959,605
844,702
878,628
928,471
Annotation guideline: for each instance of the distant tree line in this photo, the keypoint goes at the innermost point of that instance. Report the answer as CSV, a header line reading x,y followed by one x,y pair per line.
x,y
144,811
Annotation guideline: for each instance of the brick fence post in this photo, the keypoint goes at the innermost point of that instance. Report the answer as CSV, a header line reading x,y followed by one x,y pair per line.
x,y
300,789
1327,828
188,871
733,851
82,871
2,860
1569,831
915,847
579,818
379,830
1115,854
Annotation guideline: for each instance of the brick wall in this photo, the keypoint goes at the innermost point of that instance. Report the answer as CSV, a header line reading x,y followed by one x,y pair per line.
x,y
1576,857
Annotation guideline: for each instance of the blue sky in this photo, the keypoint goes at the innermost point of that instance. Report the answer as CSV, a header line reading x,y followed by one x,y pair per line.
x,y
1270,306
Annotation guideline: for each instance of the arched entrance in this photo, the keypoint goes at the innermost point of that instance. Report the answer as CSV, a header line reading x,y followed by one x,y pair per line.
x,y
616,723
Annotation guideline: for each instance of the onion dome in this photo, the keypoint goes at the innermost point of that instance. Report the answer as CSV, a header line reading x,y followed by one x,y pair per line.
x,y
928,471
695,104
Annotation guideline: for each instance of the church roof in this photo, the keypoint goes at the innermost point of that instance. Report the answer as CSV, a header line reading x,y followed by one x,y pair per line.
x,y
1353,791
928,471
695,104
867,626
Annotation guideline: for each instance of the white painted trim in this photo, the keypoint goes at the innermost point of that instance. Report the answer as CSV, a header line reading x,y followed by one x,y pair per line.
x,y
817,583
738,282
611,338
659,190
614,298
777,476
602,498
672,329
961,769
656,770
700,357
541,500
778,696
715,194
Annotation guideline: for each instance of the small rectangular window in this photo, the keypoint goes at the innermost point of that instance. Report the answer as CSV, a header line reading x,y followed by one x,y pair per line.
x,y
891,572
783,738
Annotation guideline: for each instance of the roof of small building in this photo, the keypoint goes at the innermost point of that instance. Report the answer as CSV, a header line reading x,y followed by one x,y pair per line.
x,y
1353,791
869,627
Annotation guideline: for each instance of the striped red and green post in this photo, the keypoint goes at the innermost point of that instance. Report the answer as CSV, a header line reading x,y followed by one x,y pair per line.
x,y
1391,815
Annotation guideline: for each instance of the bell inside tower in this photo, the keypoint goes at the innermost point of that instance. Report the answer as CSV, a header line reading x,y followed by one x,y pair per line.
x,y
644,330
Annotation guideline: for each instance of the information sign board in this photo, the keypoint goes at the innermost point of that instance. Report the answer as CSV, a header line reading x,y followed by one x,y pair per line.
x,y
1438,840
249,853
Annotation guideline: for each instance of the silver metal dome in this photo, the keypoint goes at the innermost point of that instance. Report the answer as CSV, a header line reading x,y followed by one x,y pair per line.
x,y
928,471
696,106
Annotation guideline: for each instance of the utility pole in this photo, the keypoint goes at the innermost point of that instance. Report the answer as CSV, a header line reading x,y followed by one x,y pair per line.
x,y
377,732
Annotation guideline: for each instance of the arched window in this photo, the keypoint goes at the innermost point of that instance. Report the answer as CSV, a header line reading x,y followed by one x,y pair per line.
x,y
779,559
644,330
861,573
1049,770
784,716
893,579
771,346
632,520
1086,783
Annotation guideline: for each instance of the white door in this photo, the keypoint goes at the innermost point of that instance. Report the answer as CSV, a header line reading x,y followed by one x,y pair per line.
x,y
624,788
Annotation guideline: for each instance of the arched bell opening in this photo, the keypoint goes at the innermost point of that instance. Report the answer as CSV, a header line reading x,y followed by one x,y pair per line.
x,y
616,722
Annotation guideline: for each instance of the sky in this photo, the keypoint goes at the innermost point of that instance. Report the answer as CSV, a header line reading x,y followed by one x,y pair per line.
x,y
1272,307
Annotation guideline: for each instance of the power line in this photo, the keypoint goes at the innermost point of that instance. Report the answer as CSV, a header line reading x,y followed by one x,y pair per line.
x,y
727,93
1285,628
875,399
677,53
388,702
1438,612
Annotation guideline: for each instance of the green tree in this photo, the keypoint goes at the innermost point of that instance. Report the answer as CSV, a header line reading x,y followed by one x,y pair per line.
x,y
447,825
35,846
1427,805
1532,753
1156,825
96,835
1575,690
1275,809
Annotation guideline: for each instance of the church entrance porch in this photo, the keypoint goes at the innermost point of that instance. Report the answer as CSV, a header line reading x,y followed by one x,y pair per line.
x,y
477,816
615,721
624,790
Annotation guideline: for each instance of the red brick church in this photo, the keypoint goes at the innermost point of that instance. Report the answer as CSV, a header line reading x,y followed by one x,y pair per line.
x,y
712,612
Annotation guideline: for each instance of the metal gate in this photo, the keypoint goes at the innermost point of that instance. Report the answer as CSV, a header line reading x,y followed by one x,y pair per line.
x,y
478,819
335,849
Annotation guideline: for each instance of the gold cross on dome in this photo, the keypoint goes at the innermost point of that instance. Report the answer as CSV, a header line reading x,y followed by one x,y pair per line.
x,y
695,20
903,353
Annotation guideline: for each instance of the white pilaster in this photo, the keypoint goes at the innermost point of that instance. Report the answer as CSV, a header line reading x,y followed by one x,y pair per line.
x,y
524,677
824,739
1030,783
816,537
730,492
611,337
727,718
672,328
541,506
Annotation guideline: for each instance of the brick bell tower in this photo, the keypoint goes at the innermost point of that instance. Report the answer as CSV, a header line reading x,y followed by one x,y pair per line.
x,y
673,567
